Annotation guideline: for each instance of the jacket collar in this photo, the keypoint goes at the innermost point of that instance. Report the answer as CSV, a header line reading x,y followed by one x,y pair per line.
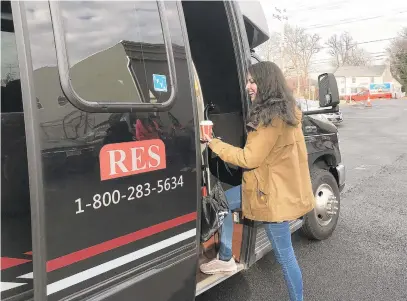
x,y
251,126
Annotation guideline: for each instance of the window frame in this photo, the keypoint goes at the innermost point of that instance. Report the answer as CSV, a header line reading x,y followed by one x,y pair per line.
x,y
34,156
111,106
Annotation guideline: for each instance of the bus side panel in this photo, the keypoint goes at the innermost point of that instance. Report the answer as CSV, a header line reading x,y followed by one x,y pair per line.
x,y
105,227
162,285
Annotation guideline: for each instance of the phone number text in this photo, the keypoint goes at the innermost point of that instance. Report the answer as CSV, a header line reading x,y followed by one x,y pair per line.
x,y
110,198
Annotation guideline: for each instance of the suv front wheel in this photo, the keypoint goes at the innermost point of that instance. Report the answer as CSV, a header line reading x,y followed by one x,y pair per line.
x,y
320,223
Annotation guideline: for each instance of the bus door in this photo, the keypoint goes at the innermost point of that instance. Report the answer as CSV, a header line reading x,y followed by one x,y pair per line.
x,y
16,259
120,206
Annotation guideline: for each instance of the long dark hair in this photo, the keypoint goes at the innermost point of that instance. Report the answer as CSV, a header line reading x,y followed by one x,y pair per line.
x,y
274,99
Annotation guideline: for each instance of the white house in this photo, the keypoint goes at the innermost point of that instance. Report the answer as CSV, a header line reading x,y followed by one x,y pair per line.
x,y
353,79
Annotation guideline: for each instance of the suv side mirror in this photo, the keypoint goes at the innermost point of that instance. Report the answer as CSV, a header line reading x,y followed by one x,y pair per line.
x,y
328,90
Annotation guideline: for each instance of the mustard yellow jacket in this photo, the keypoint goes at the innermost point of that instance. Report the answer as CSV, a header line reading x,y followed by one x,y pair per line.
x,y
276,183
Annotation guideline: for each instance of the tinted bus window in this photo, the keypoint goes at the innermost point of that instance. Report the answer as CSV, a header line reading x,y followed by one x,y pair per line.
x,y
126,63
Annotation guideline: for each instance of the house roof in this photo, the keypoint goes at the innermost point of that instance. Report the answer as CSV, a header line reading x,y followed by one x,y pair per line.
x,y
359,71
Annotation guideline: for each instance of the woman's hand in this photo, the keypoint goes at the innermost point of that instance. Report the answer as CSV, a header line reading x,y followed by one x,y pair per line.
x,y
206,139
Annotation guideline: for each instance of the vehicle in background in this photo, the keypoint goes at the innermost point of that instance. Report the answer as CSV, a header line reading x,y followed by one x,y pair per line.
x,y
377,91
307,105
360,96
381,91
336,118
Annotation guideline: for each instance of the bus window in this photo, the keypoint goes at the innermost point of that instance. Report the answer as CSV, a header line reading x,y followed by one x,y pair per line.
x,y
16,246
128,68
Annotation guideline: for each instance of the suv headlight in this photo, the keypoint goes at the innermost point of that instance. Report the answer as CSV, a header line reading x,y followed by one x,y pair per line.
x,y
322,116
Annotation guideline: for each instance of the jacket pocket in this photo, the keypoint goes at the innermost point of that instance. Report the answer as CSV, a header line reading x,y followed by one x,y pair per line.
x,y
263,180
261,193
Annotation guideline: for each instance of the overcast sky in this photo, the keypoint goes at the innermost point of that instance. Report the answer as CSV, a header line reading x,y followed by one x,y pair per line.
x,y
365,20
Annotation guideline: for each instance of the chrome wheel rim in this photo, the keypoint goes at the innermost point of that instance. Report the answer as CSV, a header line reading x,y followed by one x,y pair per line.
x,y
326,205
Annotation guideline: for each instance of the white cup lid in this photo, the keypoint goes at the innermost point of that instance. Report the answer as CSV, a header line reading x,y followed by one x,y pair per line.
x,y
206,122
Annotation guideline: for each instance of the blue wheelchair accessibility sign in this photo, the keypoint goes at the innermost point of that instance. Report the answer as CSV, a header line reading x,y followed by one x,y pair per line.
x,y
160,82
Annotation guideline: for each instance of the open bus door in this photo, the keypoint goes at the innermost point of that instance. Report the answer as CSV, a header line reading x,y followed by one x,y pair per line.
x,y
115,212
114,216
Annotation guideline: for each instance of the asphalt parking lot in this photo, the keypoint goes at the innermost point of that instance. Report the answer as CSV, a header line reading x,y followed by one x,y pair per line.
x,y
366,258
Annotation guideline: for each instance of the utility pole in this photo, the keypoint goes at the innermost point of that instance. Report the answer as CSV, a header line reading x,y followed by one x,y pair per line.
x,y
282,17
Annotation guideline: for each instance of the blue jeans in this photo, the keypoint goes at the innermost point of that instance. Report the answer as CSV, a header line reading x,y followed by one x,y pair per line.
x,y
280,237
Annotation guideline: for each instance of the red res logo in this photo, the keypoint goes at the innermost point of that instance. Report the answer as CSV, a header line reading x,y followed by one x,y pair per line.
x,y
130,158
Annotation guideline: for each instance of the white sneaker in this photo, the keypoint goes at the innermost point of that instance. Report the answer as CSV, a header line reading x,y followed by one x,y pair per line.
x,y
216,266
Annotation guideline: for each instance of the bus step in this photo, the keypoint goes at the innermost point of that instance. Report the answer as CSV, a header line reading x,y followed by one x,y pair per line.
x,y
206,282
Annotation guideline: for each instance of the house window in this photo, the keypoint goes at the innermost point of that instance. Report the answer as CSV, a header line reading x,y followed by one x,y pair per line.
x,y
372,80
354,90
343,91
353,80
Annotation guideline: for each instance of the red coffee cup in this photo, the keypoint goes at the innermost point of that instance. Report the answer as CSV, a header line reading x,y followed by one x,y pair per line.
x,y
206,128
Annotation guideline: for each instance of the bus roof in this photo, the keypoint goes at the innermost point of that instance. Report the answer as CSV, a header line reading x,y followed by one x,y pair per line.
x,y
255,22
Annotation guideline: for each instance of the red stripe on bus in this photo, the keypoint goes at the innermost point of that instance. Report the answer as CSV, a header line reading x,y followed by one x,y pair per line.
x,y
8,262
83,254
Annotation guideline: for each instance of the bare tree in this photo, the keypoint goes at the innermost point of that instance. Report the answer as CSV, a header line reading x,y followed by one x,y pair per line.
x,y
292,47
340,47
398,58
309,46
299,48
345,51
360,57
271,50
10,75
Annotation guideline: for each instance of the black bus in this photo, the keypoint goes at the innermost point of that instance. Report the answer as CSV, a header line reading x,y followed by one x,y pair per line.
x,y
101,163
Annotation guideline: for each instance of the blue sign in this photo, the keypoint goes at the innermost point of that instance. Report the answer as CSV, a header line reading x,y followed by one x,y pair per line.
x,y
385,87
160,82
